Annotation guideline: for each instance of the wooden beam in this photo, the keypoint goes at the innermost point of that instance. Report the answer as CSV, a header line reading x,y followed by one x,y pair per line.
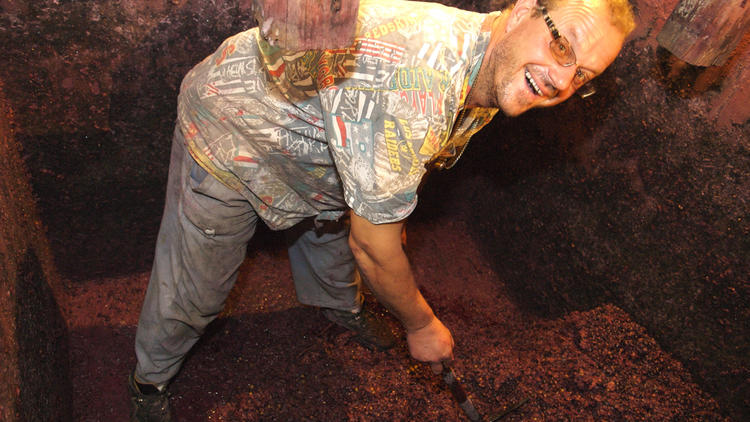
x,y
705,32
298,25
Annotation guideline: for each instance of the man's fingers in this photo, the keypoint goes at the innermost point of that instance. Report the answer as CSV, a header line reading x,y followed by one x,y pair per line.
x,y
438,367
432,344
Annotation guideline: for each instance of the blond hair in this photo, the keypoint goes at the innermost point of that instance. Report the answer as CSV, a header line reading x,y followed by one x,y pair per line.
x,y
620,11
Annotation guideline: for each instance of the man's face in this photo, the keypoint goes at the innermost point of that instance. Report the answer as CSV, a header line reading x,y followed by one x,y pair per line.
x,y
525,71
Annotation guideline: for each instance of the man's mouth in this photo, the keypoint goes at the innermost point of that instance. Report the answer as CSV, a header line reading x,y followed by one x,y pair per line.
x,y
532,84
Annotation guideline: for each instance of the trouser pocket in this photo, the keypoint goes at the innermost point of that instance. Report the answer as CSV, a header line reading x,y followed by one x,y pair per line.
x,y
214,209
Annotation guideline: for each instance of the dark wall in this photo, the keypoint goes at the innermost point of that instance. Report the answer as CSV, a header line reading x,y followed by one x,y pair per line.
x,y
33,337
45,392
95,85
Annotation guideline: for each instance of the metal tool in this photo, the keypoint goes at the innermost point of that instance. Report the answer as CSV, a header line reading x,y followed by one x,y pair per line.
x,y
458,392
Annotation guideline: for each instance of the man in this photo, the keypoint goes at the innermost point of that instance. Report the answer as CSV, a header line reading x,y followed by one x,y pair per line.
x,y
302,140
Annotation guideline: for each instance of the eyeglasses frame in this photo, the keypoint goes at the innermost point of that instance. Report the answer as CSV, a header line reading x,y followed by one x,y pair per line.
x,y
587,89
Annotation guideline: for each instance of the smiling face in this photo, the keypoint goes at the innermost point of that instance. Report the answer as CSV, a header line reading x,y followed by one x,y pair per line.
x,y
520,71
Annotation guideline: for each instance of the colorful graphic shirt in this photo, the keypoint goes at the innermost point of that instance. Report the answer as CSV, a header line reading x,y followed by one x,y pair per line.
x,y
313,133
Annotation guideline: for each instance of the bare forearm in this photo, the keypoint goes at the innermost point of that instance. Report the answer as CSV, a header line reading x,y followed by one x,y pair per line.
x,y
388,274
394,286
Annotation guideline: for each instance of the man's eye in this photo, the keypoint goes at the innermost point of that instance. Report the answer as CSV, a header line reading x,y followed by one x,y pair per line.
x,y
581,77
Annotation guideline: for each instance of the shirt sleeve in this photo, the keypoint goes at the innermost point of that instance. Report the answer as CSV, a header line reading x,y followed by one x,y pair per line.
x,y
375,144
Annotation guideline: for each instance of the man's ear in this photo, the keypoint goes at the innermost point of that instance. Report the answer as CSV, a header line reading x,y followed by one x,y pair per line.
x,y
521,9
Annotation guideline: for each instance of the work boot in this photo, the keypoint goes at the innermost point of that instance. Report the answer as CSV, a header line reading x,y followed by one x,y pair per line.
x,y
149,403
371,331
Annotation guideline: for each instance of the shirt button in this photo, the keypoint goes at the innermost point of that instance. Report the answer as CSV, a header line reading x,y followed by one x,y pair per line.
x,y
209,232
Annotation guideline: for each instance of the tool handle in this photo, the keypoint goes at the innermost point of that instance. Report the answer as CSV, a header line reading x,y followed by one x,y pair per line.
x,y
449,377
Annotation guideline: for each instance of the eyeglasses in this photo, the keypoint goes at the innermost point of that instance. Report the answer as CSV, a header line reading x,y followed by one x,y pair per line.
x,y
566,57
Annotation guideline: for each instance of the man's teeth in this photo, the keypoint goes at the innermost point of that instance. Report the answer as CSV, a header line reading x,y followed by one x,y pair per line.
x,y
533,84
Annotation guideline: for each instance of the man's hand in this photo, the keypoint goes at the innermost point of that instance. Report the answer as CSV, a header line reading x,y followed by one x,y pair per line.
x,y
432,343
386,270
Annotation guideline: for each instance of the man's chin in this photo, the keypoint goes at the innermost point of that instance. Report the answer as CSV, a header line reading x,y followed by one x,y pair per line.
x,y
506,114
514,102
513,111
514,108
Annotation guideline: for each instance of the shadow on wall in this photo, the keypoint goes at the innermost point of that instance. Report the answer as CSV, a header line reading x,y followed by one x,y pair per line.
x,y
95,83
41,335
495,187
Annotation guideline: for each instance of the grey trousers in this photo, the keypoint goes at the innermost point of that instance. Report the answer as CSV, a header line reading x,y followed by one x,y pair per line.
x,y
202,241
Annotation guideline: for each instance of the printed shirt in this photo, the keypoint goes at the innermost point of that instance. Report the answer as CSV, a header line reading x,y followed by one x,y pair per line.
x,y
312,133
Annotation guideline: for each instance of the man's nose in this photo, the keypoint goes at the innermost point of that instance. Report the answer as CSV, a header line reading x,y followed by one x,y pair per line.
x,y
562,76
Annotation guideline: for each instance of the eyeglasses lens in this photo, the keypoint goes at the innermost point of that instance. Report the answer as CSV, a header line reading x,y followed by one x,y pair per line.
x,y
562,51
564,54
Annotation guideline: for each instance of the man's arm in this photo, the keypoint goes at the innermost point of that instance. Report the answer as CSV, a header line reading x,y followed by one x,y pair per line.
x,y
377,249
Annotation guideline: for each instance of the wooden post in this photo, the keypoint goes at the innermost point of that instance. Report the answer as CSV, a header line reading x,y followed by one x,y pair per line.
x,y
298,25
705,32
